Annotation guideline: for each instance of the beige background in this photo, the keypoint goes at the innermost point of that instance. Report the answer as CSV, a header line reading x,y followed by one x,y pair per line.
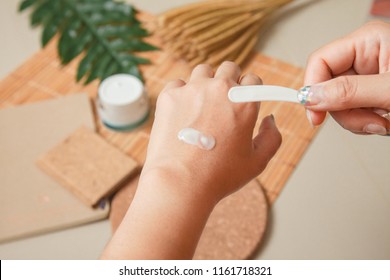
x,y
337,203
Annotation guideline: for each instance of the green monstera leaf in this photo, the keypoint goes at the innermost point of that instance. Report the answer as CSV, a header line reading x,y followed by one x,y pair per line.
x,y
107,34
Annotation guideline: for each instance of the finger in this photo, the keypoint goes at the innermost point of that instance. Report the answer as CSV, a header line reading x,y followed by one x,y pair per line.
x,y
315,118
201,71
333,59
250,79
330,60
228,70
247,80
359,51
349,72
250,109
174,84
266,143
362,121
347,92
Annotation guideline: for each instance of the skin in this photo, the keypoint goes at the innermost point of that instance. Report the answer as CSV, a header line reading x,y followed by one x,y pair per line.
x,y
180,184
351,80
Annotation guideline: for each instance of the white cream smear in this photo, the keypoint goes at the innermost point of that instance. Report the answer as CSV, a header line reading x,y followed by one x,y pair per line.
x,y
195,137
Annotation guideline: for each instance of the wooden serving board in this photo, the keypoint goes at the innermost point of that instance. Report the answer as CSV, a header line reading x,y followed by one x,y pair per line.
x,y
43,77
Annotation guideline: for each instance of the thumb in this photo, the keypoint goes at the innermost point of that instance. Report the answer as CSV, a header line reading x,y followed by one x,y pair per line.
x,y
348,92
266,143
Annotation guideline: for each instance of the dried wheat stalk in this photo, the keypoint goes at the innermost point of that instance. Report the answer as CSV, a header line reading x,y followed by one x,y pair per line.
x,y
214,31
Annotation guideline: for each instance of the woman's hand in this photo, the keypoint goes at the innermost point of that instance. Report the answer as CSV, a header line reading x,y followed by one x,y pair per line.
x,y
350,78
180,183
202,104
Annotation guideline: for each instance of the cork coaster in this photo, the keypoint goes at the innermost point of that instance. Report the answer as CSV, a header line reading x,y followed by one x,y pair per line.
x,y
233,231
87,166
236,226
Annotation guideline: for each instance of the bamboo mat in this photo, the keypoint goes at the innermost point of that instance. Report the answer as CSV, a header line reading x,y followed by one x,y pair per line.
x,y
42,77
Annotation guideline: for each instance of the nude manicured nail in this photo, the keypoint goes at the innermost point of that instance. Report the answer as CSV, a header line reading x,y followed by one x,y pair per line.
x,y
308,115
386,115
380,112
375,129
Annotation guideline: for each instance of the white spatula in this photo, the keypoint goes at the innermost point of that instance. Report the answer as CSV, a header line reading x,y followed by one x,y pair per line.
x,y
258,93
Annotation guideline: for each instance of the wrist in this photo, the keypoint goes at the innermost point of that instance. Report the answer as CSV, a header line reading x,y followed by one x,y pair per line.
x,y
164,220
180,182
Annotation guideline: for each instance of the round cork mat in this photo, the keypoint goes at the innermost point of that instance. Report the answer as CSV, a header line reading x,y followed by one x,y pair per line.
x,y
235,227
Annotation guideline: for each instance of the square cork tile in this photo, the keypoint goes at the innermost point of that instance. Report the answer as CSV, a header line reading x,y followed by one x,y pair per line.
x,y
88,166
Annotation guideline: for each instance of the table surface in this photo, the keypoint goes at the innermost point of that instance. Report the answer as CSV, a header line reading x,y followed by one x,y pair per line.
x,y
337,203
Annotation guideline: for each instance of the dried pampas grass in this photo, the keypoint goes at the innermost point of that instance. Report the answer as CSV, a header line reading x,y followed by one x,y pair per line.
x,y
214,31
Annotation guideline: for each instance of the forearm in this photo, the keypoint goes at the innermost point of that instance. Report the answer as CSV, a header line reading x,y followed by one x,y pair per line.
x,y
161,223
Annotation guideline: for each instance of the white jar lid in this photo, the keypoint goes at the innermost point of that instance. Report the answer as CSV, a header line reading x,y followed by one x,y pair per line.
x,y
120,89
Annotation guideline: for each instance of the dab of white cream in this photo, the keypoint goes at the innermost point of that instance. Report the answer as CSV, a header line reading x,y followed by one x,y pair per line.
x,y
194,137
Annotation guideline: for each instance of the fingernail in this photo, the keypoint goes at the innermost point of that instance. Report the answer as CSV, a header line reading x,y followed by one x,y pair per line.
x,y
375,129
308,115
380,112
386,115
309,95
271,119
